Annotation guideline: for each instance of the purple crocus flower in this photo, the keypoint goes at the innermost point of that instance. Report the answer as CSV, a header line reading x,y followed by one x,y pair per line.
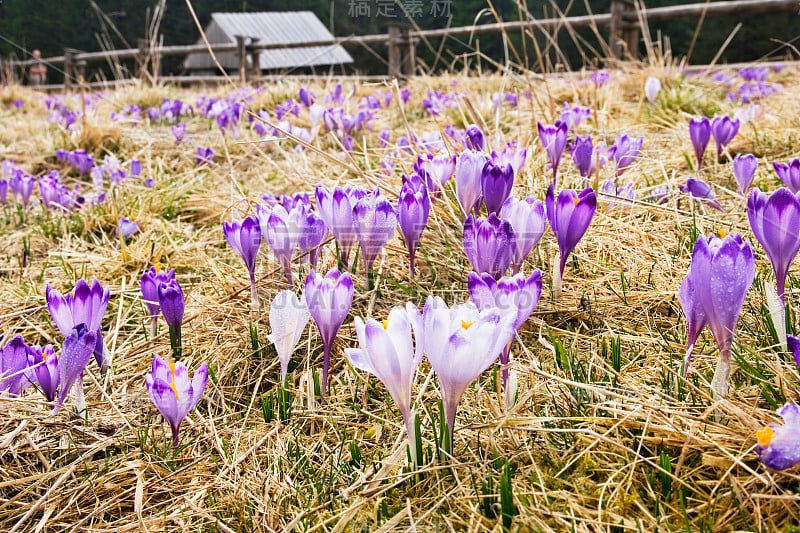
x,y
724,129
375,221
600,78
438,168
528,222
569,216
554,140
328,300
489,244
515,295
496,184
700,134
625,150
172,303
388,351
779,444
86,304
245,238
789,174
588,157
475,137
313,235
775,221
701,191
744,168
126,228
469,171
149,284
75,355
13,362
573,116
21,184
3,191
205,156
179,131
45,374
618,195
413,208
512,155
136,168
288,317
306,97
460,343
336,209
173,393
721,262
282,230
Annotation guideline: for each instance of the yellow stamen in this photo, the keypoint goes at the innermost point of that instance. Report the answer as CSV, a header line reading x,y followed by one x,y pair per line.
x,y
576,200
157,266
385,324
723,233
174,388
765,435
466,325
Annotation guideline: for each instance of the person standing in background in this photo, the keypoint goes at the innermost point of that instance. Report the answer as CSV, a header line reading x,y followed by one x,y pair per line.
x,y
38,71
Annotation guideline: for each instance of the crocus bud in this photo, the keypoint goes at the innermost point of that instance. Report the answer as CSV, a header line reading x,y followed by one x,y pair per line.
x,y
328,300
700,134
469,170
75,355
496,184
789,174
475,136
489,244
413,209
375,222
288,317
173,393
554,140
46,375
588,157
775,221
702,192
729,263
170,298
569,217
311,238
13,362
245,238
528,222
744,168
651,89
724,129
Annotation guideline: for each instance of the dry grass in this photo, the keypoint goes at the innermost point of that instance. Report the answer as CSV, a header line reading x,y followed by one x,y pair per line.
x,y
605,436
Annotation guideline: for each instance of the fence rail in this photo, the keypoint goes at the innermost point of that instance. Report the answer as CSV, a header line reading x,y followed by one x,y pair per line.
x,y
624,24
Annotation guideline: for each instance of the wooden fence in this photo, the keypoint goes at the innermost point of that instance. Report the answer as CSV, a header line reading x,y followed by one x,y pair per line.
x,y
624,23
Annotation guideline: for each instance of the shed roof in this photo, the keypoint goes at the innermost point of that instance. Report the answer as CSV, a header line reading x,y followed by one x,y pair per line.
x,y
274,27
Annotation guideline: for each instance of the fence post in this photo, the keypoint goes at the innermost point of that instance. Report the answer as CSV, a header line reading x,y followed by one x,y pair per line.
x,y
241,58
69,67
623,29
255,59
394,50
409,63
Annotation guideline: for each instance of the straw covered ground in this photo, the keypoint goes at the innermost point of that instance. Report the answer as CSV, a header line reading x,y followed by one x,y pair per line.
x,y
605,434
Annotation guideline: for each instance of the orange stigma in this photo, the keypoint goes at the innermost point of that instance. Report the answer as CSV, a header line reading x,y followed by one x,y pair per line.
x,y
467,324
765,436
157,266
385,324
172,384
576,200
723,233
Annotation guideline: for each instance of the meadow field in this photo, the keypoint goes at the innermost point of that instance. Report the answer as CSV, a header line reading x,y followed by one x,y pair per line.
x,y
596,428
